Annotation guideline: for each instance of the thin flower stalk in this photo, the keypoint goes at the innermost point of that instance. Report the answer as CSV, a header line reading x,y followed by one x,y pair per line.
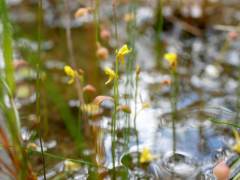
x,y
172,59
159,32
173,110
37,83
113,128
135,127
38,116
96,22
115,117
238,97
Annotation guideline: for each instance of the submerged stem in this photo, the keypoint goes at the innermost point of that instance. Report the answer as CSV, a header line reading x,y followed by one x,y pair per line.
x,y
173,111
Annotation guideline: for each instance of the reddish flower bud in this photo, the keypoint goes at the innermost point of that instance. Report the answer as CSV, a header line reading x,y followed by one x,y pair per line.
x,y
221,171
89,88
233,35
105,35
102,53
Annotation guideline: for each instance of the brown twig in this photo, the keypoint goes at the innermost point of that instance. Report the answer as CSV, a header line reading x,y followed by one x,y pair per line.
x,y
185,26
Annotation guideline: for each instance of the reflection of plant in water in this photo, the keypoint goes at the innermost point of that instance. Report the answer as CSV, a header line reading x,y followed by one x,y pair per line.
x,y
236,147
147,156
172,59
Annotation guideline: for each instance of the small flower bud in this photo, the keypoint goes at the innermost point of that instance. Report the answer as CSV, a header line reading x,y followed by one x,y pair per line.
x,y
233,35
105,35
102,53
166,81
32,145
43,76
81,71
138,70
129,17
17,63
146,105
82,11
113,2
221,171
33,121
89,88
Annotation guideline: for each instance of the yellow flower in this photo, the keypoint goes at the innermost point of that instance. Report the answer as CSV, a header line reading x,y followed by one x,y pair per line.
x,y
111,74
121,53
147,156
70,72
172,59
236,147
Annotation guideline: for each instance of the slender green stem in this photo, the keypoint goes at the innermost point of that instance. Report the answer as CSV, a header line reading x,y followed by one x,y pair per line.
x,y
235,164
222,53
45,116
115,23
159,31
39,121
238,97
115,95
79,136
61,176
173,111
224,123
115,117
57,157
37,83
135,117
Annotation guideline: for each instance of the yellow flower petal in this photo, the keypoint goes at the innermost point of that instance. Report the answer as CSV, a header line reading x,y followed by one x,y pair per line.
x,y
147,156
121,53
70,72
236,147
111,74
172,59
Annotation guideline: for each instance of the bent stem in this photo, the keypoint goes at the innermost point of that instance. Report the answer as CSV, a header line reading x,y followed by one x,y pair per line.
x,y
231,124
